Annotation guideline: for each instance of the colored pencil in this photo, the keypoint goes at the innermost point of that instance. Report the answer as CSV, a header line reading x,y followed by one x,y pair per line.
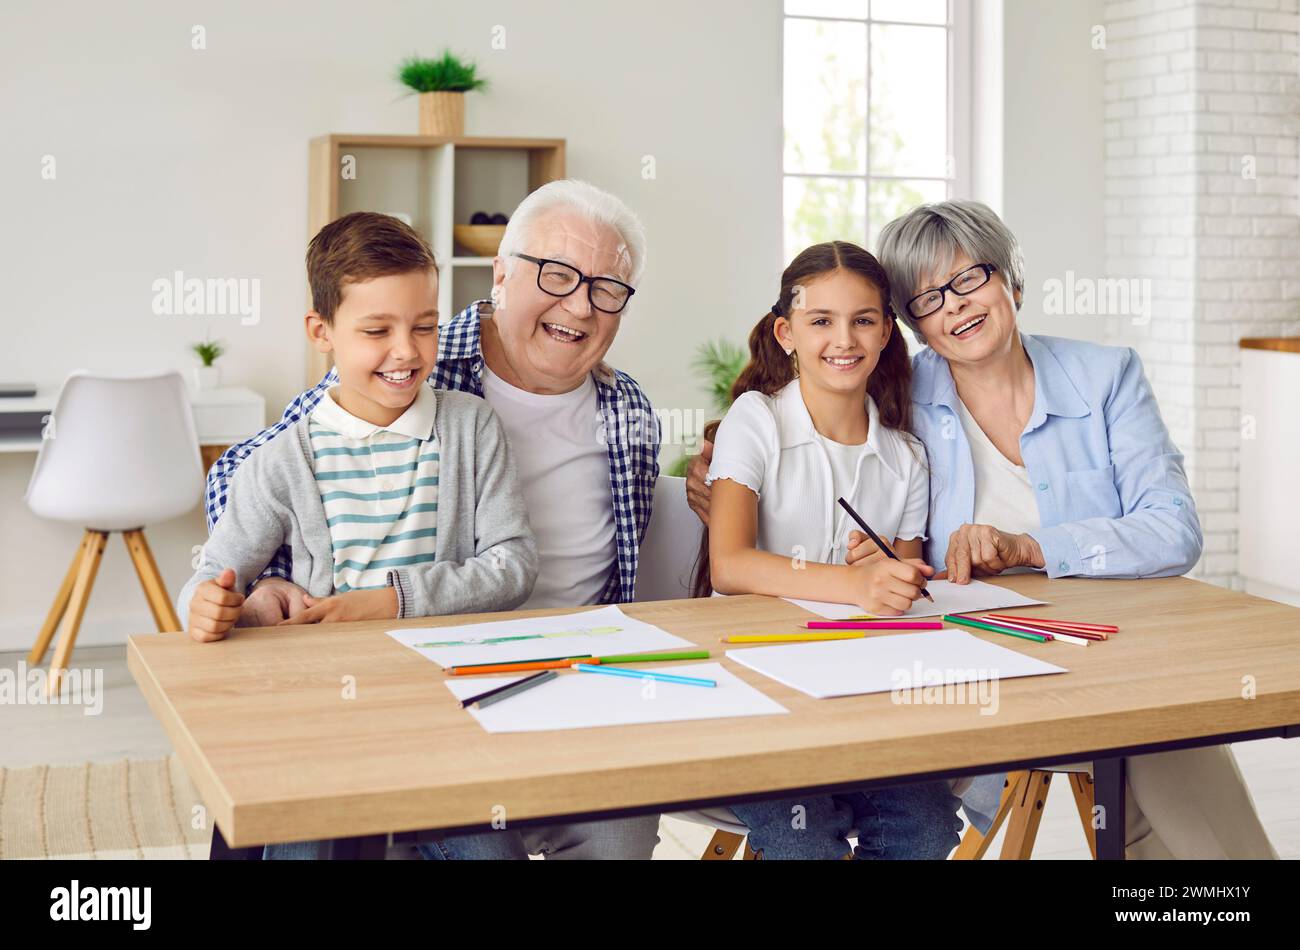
x,y
559,663
1043,621
810,637
509,689
1051,635
878,540
644,674
1038,628
979,625
874,625
654,657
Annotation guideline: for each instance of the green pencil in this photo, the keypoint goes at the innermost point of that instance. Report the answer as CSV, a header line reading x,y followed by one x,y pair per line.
x,y
656,657
968,622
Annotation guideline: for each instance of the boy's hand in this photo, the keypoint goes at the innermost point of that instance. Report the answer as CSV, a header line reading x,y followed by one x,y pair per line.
x,y
214,608
272,600
354,605
888,588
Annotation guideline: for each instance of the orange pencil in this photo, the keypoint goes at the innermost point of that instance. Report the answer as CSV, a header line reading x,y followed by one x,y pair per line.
x,y
522,666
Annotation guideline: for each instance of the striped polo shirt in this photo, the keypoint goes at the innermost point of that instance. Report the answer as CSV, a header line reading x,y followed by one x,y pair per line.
x,y
379,486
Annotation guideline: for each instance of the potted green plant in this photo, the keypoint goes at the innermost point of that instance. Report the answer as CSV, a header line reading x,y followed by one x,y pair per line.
x,y
719,362
441,84
206,374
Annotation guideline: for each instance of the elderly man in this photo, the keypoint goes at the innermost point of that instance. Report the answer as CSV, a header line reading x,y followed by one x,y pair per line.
x,y
584,437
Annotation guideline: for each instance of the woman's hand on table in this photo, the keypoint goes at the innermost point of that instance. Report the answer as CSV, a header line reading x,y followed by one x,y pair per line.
x,y
981,550
380,604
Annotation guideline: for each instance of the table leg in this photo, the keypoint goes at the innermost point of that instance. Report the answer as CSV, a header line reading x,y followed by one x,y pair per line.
x,y
1108,781
223,852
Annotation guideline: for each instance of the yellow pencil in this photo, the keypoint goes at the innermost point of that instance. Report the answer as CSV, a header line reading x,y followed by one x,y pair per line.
x,y
792,637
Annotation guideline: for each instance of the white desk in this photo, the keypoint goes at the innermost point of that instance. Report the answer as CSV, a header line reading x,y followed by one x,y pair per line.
x,y
222,417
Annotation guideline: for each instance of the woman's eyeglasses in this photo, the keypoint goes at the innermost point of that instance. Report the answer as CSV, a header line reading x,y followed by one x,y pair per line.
x,y
972,278
560,279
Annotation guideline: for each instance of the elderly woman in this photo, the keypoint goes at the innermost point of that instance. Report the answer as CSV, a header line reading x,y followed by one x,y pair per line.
x,y
1047,454
1050,454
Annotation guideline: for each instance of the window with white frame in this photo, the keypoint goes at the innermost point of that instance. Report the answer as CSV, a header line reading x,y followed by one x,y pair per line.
x,y
873,125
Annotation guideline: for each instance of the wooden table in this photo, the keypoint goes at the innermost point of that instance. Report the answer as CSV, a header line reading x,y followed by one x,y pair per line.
x,y
278,752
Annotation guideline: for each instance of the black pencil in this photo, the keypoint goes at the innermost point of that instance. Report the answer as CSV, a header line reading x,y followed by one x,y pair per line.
x,y
877,539
509,689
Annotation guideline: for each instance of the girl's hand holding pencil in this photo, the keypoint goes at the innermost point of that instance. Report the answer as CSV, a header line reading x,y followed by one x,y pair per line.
x,y
887,588
863,551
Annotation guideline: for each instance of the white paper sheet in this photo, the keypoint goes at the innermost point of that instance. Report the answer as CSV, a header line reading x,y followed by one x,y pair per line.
x,y
585,700
949,598
881,664
603,632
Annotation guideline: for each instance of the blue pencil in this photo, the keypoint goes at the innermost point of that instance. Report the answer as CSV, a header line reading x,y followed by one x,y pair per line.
x,y
644,674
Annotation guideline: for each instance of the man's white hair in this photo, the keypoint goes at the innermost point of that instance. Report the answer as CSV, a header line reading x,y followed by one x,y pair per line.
x,y
586,199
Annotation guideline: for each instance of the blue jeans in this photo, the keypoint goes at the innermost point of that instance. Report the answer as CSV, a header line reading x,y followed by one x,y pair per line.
x,y
297,851
908,822
614,839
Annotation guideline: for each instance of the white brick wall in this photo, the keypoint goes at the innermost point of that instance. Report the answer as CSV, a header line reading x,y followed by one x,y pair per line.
x,y
1202,109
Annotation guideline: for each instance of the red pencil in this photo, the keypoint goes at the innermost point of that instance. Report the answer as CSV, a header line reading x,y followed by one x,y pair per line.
x,y
1051,632
1064,624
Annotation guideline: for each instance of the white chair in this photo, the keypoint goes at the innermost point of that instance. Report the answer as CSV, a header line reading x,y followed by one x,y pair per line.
x,y
666,563
119,453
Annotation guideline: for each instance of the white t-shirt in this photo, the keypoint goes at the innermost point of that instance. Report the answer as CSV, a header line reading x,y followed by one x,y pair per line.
x,y
1004,497
769,445
564,474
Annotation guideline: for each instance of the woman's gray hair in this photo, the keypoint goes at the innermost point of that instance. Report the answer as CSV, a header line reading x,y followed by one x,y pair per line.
x,y
586,199
923,242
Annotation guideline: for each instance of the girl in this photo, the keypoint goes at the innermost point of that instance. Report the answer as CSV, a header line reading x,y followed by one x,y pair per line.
x,y
822,412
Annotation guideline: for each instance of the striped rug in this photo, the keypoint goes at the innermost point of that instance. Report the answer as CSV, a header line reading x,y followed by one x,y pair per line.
x,y
126,810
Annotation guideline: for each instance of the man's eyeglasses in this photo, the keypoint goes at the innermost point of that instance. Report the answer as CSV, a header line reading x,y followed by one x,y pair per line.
x,y
560,279
972,278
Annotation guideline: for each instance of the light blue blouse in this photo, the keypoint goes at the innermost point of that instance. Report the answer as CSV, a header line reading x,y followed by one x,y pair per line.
x,y
1113,499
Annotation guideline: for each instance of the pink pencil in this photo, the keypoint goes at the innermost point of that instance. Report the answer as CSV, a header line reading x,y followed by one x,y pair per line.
x,y
874,625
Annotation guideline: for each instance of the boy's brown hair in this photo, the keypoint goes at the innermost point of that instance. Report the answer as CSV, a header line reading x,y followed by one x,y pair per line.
x,y
357,247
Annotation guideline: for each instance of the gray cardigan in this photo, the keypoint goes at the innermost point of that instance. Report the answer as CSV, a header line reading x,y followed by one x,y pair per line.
x,y
486,554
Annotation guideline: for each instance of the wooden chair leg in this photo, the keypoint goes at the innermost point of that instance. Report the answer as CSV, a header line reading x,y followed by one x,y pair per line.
x,y
1026,813
155,591
723,846
37,656
973,844
86,572
1081,785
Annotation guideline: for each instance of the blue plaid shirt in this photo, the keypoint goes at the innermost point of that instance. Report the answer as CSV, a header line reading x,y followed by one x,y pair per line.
x,y
631,431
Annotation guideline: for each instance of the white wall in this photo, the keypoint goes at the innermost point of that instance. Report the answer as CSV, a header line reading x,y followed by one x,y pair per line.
x,y
1054,146
169,158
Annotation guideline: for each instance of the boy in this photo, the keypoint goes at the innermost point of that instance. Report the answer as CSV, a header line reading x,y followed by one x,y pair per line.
x,y
395,499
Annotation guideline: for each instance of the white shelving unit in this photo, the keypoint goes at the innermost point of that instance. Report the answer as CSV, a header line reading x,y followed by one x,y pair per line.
x,y
435,183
